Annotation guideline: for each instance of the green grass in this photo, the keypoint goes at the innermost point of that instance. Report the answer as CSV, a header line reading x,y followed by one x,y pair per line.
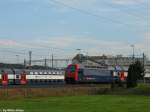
x,y
97,103
143,86
117,100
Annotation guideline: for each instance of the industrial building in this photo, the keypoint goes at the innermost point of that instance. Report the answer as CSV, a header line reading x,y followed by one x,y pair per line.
x,y
108,61
118,62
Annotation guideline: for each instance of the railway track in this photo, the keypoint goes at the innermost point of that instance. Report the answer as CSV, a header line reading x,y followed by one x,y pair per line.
x,y
19,91
57,86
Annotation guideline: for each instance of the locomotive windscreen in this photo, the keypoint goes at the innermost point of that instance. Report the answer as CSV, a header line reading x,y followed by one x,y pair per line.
x,y
71,69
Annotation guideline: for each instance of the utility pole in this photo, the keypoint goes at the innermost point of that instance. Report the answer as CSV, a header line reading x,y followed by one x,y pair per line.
x,y
52,61
30,58
87,58
143,61
133,51
143,65
45,63
25,63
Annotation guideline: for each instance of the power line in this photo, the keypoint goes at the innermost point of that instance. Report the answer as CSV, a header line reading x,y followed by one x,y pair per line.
x,y
56,48
89,13
25,54
14,52
25,51
127,12
39,47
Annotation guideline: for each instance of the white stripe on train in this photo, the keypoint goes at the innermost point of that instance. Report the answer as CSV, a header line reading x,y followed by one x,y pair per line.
x,y
28,77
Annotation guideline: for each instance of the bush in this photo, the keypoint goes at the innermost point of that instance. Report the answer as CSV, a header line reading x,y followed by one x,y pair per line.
x,y
134,73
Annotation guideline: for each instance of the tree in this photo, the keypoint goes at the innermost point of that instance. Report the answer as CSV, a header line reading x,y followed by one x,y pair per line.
x,y
135,73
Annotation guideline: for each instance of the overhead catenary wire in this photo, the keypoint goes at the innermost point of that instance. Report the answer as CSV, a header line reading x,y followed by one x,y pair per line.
x,y
36,49
126,11
91,14
84,11
13,52
24,54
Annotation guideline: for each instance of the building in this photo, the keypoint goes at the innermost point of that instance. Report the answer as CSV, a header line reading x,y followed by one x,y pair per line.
x,y
110,62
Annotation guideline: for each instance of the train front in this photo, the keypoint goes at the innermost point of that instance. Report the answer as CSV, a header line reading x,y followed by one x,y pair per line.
x,y
71,73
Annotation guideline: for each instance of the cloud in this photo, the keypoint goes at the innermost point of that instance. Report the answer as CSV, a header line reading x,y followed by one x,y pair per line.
x,y
124,2
5,43
94,6
130,2
147,36
11,43
67,46
93,46
58,42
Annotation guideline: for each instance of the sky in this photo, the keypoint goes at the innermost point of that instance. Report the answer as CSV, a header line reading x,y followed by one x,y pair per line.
x,y
60,27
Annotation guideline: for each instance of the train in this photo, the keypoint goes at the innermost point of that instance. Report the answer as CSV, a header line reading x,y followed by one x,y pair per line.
x,y
75,73
31,77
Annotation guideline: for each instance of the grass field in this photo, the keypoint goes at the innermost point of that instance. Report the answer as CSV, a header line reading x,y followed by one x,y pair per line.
x,y
115,100
97,103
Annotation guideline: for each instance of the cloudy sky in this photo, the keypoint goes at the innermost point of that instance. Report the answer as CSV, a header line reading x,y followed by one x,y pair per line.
x,y
62,26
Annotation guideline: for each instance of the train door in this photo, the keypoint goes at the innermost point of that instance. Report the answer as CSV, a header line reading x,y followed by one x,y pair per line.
x,y
16,77
122,76
4,78
23,79
80,74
